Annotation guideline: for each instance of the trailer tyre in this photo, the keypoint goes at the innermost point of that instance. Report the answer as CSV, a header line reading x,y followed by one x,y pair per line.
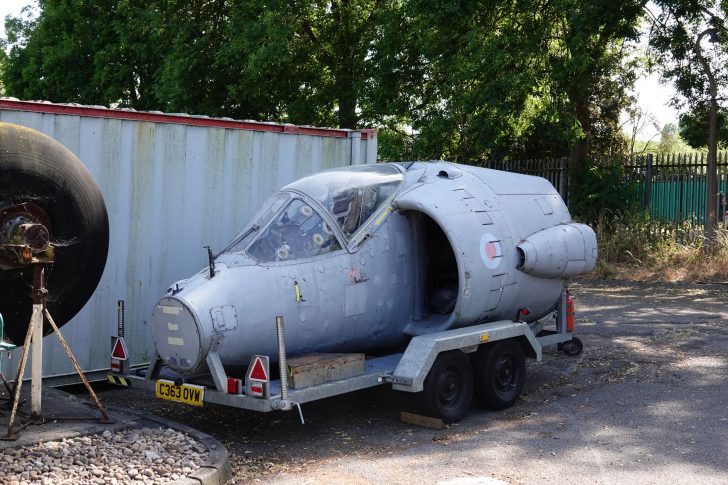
x,y
448,387
572,347
39,171
499,371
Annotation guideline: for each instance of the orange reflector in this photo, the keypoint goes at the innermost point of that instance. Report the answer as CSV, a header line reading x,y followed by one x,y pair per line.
x,y
569,313
258,373
235,386
27,255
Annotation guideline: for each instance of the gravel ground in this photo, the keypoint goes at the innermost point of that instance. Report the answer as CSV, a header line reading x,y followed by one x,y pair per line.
x,y
140,456
647,402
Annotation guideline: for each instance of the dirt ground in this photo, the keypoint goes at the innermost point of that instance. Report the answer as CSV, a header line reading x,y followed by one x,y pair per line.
x,y
646,402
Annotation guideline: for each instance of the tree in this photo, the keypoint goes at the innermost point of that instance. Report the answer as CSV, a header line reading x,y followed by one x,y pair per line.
x,y
311,61
587,60
694,128
81,51
512,79
303,62
679,34
466,73
464,80
639,120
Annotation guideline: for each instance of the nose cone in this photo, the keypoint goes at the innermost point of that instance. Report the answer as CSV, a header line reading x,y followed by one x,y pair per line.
x,y
177,336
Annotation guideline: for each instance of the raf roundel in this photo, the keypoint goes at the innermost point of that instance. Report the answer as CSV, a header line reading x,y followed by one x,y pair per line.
x,y
490,251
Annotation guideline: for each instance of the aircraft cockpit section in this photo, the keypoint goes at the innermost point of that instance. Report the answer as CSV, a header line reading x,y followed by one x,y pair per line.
x,y
352,196
297,232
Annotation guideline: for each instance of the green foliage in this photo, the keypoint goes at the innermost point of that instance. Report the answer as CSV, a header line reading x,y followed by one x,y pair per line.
x,y
587,64
675,31
80,51
600,194
514,80
468,79
694,127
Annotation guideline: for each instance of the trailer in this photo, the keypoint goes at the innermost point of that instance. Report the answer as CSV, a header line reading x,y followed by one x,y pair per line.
x,y
447,368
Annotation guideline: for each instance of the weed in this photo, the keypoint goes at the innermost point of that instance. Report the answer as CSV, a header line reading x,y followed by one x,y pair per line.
x,y
633,247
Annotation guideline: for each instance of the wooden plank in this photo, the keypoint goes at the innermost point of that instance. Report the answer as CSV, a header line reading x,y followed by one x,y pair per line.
x,y
419,420
313,369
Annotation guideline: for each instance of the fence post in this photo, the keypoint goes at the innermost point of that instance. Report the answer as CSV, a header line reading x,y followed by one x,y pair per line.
x,y
648,184
563,192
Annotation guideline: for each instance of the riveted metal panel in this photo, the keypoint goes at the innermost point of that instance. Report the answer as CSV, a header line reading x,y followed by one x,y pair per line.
x,y
172,184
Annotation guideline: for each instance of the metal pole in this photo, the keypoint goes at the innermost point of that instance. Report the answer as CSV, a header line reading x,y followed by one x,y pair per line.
x,y
36,364
647,200
120,318
282,357
78,368
19,384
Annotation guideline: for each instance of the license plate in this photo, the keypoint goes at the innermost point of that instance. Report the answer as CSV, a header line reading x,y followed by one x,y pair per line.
x,y
186,393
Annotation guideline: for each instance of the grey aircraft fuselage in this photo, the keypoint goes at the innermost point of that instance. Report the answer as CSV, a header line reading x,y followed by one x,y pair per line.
x,y
367,256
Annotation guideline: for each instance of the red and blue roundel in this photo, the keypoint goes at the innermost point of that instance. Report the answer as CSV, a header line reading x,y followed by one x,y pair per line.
x,y
490,250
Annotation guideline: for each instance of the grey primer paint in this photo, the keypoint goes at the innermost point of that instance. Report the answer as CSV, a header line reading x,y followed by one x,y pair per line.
x,y
359,258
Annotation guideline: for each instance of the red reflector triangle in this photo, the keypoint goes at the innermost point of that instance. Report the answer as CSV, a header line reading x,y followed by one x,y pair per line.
x,y
119,350
258,373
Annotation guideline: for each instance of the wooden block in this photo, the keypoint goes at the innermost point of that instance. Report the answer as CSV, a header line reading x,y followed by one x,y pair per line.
x,y
419,420
313,369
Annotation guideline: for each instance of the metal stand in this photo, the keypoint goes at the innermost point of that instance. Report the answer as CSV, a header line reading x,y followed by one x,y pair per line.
x,y
284,404
34,339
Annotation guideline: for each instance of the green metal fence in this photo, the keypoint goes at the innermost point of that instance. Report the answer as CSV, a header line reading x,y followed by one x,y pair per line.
x,y
673,186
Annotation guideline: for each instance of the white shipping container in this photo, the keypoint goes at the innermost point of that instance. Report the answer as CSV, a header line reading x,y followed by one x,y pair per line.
x,y
172,184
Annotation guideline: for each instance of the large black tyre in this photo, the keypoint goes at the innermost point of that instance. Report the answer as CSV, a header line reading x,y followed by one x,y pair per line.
x,y
499,372
448,387
36,169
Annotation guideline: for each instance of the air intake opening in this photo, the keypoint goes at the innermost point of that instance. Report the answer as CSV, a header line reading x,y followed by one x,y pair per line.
x,y
441,270
521,257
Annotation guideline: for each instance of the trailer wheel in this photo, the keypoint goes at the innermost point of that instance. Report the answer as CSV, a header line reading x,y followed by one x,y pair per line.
x,y
448,387
499,371
41,173
572,347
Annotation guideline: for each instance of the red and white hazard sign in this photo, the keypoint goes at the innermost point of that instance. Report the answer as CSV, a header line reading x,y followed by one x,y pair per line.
x,y
119,350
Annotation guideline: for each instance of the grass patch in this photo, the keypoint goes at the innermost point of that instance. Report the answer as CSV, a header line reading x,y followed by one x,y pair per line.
x,y
632,247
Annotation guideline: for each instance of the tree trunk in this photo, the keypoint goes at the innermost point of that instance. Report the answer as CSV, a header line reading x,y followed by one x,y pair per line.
x,y
580,149
711,171
711,179
344,69
347,110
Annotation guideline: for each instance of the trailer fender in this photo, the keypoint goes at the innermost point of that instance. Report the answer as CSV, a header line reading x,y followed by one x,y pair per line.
x,y
410,373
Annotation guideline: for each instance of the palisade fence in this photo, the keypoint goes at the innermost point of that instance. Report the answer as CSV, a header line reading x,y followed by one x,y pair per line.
x,y
672,187
555,170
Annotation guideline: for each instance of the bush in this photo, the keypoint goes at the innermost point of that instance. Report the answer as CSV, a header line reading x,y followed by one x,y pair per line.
x,y
600,194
